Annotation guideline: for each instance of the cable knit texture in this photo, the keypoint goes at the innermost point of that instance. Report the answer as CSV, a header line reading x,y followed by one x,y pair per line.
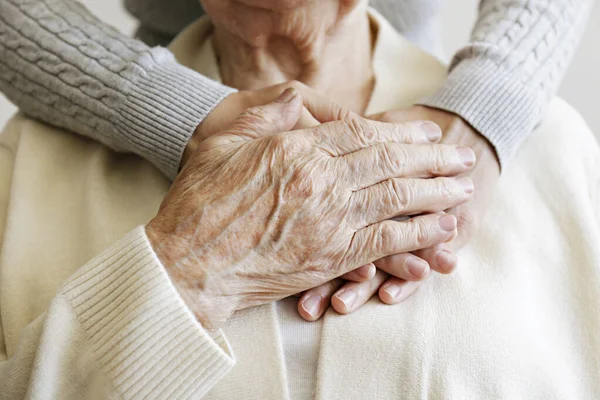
x,y
60,64
504,79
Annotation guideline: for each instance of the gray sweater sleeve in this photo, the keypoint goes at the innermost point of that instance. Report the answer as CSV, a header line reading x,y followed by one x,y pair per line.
x,y
60,64
502,81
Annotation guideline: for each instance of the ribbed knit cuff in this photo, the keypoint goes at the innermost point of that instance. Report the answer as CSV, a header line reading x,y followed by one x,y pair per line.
x,y
144,337
492,100
163,108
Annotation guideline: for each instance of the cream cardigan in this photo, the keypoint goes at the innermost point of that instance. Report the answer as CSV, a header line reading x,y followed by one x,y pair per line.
x,y
519,319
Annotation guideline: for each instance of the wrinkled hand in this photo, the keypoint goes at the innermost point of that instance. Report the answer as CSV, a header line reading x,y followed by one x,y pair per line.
x,y
257,215
396,277
232,106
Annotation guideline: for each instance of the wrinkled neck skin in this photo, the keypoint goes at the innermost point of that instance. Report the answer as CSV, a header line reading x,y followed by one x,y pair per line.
x,y
326,44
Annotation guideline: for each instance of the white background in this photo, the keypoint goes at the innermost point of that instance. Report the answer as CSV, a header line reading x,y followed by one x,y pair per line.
x,y
581,86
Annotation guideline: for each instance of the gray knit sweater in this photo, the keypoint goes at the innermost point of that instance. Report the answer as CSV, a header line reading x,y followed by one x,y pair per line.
x,y
60,64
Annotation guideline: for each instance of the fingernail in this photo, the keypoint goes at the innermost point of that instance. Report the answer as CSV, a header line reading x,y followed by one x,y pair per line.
x,y
432,131
467,156
348,297
447,223
311,305
287,95
416,267
467,184
445,260
393,291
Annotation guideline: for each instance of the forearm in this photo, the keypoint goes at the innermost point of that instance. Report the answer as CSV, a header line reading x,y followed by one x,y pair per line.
x,y
502,81
118,328
60,64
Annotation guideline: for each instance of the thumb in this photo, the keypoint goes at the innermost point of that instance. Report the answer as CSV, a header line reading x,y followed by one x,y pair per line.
x,y
269,119
324,110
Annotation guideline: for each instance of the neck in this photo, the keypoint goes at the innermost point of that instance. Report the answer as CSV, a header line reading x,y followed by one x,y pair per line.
x,y
333,57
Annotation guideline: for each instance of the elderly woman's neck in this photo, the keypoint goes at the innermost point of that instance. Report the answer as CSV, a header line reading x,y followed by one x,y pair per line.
x,y
334,59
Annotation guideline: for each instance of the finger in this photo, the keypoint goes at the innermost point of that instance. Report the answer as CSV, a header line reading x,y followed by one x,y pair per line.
x,y
306,120
392,237
275,117
355,133
314,302
323,109
317,105
354,295
396,290
382,161
440,258
361,274
467,222
400,196
405,266
393,116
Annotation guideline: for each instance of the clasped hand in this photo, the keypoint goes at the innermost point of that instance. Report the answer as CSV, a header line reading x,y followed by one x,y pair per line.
x,y
261,211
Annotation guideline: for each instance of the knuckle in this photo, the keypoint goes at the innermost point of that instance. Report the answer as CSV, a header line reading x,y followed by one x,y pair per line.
x,y
384,236
401,194
353,127
392,156
407,132
447,189
439,159
420,232
364,132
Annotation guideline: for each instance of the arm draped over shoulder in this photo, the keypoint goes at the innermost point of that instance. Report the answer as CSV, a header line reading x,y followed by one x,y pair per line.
x,y
503,79
60,64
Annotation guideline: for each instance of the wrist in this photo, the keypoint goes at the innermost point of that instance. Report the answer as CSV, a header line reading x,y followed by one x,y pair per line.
x,y
191,146
216,121
458,130
209,308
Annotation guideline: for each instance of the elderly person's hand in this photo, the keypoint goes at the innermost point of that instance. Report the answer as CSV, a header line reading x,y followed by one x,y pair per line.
x,y
485,176
253,218
398,276
223,115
